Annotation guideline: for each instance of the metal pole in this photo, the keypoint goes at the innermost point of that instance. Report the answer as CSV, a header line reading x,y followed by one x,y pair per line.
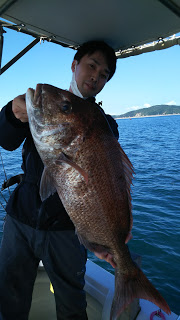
x,y
19,55
1,44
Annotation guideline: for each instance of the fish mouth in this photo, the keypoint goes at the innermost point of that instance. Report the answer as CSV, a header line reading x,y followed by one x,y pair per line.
x,y
35,96
34,106
30,96
38,95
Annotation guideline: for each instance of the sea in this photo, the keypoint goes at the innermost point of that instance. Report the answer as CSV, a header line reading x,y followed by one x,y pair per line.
x,y
153,146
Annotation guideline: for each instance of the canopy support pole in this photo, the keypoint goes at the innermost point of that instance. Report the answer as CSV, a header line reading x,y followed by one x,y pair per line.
x,y
1,44
152,46
19,55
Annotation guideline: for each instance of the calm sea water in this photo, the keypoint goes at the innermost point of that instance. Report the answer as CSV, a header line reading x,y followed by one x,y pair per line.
x,y
153,146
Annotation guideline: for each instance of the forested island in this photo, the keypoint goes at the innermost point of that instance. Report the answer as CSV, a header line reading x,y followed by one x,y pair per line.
x,y
159,110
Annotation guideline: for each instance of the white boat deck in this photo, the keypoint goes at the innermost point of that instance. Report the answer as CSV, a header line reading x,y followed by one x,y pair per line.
x,y
99,289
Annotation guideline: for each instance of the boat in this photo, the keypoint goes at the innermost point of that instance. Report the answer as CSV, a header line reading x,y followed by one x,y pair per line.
x,y
131,28
99,289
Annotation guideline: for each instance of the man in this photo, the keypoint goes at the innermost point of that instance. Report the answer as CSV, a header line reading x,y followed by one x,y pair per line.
x,y
36,230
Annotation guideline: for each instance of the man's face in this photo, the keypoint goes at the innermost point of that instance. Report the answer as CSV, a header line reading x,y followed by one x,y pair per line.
x,y
91,73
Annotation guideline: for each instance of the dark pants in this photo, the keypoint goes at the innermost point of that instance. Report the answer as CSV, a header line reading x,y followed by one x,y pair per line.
x,y
64,260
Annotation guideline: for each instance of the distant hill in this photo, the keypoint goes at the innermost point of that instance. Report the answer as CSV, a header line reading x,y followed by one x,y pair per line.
x,y
151,111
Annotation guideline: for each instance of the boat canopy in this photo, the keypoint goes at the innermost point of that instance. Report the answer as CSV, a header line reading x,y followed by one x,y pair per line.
x,y
130,27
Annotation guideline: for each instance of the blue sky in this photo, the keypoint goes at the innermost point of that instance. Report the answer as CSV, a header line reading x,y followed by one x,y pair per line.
x,y
140,81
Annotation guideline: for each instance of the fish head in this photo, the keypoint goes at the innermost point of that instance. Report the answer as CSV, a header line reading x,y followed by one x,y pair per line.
x,y
58,120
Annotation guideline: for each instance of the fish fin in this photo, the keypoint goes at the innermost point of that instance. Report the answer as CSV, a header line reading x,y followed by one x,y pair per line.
x,y
128,174
84,241
65,159
46,185
129,237
128,288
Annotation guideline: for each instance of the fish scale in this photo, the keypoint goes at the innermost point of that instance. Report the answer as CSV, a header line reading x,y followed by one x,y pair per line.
x,y
96,191
92,175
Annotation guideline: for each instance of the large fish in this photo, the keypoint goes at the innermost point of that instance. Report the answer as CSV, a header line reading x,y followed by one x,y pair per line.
x,y
86,165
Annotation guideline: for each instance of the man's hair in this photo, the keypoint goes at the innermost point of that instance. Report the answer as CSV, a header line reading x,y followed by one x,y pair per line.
x,y
91,46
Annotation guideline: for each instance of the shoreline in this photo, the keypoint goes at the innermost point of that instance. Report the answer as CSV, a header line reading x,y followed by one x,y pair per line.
x,y
150,116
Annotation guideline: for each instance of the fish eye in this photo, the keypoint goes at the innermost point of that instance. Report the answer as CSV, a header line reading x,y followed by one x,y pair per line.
x,y
66,107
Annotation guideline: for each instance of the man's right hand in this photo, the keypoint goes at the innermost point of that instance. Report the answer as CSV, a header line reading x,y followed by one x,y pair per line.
x,y
108,257
19,108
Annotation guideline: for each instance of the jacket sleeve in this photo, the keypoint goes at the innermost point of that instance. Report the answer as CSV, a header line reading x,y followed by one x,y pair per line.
x,y
12,131
113,124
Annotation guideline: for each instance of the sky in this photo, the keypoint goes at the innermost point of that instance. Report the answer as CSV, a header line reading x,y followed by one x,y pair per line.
x,y
140,81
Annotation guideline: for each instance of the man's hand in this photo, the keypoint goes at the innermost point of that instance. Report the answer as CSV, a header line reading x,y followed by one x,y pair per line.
x,y
107,257
19,108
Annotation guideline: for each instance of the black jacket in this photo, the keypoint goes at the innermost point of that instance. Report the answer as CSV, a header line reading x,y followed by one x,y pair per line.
x,y
25,204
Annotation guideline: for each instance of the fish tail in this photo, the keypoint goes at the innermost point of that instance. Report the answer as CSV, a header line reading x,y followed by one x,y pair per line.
x,y
129,287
